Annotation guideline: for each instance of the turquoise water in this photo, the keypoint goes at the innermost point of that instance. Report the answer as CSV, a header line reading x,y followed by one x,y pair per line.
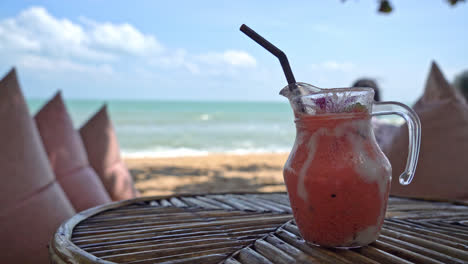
x,y
176,128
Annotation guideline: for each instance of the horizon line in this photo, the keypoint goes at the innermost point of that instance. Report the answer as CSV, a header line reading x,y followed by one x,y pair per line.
x,y
104,100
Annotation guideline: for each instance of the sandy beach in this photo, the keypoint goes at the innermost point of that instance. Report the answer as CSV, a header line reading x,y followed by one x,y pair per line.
x,y
207,174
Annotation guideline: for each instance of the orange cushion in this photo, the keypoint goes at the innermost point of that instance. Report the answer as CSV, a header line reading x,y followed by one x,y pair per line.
x,y
67,156
442,167
32,204
103,151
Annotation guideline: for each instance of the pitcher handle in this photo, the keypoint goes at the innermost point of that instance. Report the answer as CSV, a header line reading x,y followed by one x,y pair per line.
x,y
414,129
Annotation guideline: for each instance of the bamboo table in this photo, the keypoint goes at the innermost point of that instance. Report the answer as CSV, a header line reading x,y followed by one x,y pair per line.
x,y
250,228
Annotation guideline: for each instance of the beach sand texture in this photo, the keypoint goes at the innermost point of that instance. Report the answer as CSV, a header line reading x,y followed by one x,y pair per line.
x,y
208,174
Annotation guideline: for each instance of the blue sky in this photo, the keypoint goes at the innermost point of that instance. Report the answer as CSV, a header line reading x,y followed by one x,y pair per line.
x,y
193,50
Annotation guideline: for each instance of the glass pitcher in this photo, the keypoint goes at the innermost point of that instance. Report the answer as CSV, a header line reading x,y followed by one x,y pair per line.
x,y
338,179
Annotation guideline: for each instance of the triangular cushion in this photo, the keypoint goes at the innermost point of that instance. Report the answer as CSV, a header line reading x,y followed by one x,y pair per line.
x,y
32,204
103,151
442,167
68,157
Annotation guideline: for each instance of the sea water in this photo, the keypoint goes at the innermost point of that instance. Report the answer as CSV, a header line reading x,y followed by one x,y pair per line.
x,y
181,128
186,128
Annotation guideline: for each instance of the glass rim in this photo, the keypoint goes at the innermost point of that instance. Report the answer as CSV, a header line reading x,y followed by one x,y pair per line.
x,y
338,89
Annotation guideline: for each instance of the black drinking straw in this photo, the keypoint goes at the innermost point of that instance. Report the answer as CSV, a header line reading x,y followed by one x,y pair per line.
x,y
274,50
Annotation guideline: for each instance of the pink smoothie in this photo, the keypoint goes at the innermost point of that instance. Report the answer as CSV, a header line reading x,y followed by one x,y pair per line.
x,y
338,180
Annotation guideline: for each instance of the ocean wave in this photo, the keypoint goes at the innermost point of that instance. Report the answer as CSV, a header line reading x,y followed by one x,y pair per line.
x,y
185,152
161,153
205,117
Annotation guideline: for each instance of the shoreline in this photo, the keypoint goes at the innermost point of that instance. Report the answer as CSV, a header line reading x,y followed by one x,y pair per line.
x,y
258,172
188,153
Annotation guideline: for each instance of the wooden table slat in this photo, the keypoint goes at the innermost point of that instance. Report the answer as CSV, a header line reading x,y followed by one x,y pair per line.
x,y
239,228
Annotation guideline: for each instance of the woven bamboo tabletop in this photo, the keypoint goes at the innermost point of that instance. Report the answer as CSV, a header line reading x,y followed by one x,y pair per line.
x,y
250,228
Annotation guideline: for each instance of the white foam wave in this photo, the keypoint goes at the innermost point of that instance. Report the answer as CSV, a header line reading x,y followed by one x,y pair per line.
x,y
256,151
160,153
205,117
184,152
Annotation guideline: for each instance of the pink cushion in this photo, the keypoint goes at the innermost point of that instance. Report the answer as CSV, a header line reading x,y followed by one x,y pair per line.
x,y
104,155
442,167
32,204
67,156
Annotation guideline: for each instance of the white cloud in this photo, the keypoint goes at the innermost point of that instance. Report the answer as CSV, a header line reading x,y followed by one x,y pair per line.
x,y
210,63
124,37
12,35
175,59
34,29
230,57
338,66
61,65
332,65
39,40
239,58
